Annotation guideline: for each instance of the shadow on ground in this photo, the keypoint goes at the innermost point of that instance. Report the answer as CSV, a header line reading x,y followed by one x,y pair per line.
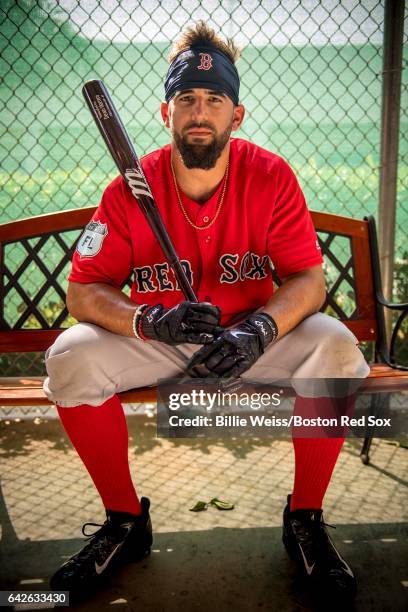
x,y
222,569
211,561
17,438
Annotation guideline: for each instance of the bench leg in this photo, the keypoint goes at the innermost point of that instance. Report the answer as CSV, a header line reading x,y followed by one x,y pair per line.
x,y
364,454
378,403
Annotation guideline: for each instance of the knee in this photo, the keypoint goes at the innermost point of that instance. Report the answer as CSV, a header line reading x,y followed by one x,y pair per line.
x,y
75,367
77,340
337,350
75,352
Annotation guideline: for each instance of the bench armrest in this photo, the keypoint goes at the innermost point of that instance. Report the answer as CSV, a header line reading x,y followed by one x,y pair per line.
x,y
395,331
389,355
386,353
392,305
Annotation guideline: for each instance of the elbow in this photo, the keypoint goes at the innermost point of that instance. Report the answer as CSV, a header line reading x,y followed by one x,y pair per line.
x,y
73,302
319,287
321,294
316,288
322,299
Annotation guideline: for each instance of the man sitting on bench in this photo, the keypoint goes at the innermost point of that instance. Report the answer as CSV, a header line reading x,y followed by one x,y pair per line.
x,y
230,207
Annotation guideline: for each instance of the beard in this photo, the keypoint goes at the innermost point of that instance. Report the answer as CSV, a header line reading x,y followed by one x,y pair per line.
x,y
202,156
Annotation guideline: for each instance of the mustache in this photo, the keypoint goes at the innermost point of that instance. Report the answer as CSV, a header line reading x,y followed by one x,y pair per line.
x,y
206,126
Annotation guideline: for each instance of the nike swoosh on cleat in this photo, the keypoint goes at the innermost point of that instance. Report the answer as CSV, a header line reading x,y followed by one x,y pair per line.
x,y
346,567
309,568
101,568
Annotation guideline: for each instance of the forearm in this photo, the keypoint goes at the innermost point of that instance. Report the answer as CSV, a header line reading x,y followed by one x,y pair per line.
x,y
102,305
297,298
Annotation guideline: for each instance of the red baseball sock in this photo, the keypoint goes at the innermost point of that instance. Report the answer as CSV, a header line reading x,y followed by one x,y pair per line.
x,y
100,437
316,457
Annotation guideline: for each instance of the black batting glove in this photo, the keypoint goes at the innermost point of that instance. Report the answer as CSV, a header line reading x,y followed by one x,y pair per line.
x,y
191,322
235,350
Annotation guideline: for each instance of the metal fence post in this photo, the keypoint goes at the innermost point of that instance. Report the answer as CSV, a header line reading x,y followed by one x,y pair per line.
x,y
391,95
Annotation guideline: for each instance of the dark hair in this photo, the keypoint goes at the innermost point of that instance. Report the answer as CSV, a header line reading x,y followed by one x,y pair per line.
x,y
201,35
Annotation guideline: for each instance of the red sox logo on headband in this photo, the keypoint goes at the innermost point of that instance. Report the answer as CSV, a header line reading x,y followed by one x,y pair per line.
x,y
206,61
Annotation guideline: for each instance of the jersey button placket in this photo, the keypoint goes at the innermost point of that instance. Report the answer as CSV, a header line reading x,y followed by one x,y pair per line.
x,y
205,243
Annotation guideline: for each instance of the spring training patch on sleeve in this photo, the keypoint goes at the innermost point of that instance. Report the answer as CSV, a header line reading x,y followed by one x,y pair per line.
x,y
91,240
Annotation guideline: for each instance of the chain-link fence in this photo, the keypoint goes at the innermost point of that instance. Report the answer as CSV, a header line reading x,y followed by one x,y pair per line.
x,y
311,82
311,78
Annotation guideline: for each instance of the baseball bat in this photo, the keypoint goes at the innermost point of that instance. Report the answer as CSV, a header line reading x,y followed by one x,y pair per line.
x,y
118,142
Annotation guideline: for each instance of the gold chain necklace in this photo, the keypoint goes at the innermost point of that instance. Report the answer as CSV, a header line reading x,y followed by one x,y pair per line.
x,y
201,227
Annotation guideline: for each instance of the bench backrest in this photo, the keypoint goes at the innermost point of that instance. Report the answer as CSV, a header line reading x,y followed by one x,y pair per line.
x,y
35,256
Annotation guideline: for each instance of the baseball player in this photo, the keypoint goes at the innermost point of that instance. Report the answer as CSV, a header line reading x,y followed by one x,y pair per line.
x,y
231,208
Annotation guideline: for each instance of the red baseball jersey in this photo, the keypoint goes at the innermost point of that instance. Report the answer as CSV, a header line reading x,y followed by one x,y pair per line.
x,y
263,221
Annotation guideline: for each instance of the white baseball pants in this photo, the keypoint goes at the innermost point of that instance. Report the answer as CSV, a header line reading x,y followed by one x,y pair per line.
x,y
88,364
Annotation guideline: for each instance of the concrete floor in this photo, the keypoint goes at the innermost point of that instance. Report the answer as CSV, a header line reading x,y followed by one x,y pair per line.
x,y
211,560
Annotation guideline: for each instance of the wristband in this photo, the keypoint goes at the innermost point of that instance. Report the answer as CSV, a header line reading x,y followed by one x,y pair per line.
x,y
265,326
139,325
136,316
147,322
272,324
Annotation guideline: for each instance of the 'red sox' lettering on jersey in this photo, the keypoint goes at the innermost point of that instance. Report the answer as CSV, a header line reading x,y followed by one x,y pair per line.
x,y
252,266
264,220
156,278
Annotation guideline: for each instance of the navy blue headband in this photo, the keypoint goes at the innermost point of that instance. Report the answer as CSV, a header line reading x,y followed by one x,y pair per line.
x,y
204,68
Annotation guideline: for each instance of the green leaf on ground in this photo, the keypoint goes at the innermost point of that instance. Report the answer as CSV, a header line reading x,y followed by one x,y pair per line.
x,y
199,507
221,505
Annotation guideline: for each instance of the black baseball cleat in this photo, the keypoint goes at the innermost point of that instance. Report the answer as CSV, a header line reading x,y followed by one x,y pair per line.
x,y
122,538
306,539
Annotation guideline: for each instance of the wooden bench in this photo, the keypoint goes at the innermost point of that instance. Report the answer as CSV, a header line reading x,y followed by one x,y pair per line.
x,y
35,257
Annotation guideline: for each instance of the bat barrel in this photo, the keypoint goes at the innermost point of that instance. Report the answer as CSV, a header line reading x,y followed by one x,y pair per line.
x,y
110,125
